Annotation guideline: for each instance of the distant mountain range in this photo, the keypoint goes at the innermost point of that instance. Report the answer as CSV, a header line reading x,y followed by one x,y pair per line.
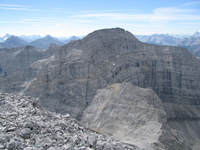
x,y
190,42
11,41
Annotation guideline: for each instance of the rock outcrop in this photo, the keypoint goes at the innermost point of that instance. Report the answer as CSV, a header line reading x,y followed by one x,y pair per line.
x,y
24,124
133,115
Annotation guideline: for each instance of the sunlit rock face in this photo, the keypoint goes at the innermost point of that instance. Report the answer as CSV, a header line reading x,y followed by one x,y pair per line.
x,y
133,115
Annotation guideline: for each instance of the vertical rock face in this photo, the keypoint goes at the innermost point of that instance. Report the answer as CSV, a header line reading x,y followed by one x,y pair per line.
x,y
14,66
66,84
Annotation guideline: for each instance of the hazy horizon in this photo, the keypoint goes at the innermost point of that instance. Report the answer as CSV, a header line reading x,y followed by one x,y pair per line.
x,y
92,31
67,18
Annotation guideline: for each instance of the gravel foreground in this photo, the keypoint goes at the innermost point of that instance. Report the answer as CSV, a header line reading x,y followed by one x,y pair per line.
x,y
26,125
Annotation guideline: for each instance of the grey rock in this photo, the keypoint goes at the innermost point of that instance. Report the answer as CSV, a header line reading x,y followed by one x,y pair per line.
x,y
4,129
11,145
51,148
92,141
25,133
68,147
28,148
3,139
33,126
2,146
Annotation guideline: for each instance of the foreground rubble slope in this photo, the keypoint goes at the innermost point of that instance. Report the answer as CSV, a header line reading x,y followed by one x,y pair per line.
x,y
24,124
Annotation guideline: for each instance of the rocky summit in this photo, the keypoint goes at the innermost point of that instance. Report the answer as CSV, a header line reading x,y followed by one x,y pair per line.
x,y
164,83
25,125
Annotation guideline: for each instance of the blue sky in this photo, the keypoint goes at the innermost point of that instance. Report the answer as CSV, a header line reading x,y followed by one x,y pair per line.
x,y
80,17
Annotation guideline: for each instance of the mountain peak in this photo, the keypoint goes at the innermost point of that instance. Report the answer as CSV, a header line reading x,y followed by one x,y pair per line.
x,y
115,33
6,36
196,34
48,36
14,41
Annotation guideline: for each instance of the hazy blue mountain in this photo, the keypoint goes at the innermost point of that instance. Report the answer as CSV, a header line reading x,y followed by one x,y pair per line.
x,y
159,39
30,38
44,43
1,39
34,40
72,38
14,41
196,34
192,42
5,37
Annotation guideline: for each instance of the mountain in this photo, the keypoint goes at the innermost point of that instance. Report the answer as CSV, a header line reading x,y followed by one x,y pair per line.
x,y
160,39
72,38
196,34
14,41
192,43
189,42
111,71
34,40
5,37
30,38
44,43
110,56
